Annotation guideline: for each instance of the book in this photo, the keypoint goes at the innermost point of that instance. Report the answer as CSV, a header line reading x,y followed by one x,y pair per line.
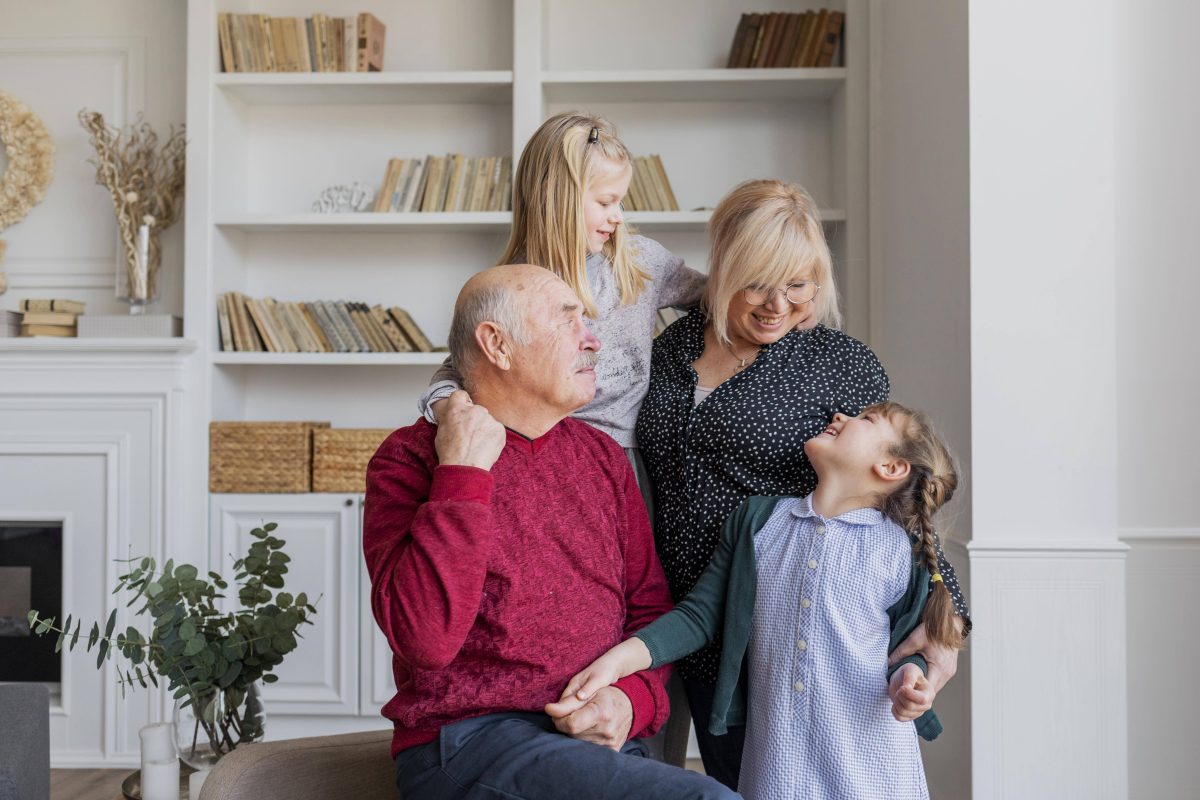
x,y
328,327
413,186
64,331
225,38
387,186
395,336
366,331
787,41
49,318
74,306
671,203
349,330
372,36
10,324
454,184
739,41
812,42
278,325
415,335
141,326
436,168
259,315
408,170
501,192
377,332
314,325
224,330
775,26
830,39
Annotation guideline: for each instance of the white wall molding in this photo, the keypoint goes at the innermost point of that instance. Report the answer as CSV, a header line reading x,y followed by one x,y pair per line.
x,y
1046,548
1170,534
124,57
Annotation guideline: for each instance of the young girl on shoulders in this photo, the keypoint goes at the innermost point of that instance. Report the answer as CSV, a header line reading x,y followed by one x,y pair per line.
x,y
813,593
567,192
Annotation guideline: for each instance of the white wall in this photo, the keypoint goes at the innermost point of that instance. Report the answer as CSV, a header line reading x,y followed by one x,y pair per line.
x,y
118,57
1158,372
920,292
1048,658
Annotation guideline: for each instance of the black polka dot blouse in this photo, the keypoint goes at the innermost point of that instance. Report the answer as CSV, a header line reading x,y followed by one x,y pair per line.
x,y
746,438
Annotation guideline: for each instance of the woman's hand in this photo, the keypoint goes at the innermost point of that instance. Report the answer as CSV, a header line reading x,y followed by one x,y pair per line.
x,y
628,657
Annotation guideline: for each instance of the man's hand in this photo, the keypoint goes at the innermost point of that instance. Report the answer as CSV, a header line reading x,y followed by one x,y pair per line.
x,y
911,693
605,720
437,406
467,434
909,700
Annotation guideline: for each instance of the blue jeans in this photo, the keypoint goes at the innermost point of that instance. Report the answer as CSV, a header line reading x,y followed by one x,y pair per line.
x,y
722,755
521,756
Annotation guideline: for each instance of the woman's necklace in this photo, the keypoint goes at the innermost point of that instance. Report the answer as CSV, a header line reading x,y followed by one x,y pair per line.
x,y
742,362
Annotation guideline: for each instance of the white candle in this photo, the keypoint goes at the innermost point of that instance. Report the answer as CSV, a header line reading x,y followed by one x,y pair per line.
x,y
160,780
196,781
140,289
160,762
158,742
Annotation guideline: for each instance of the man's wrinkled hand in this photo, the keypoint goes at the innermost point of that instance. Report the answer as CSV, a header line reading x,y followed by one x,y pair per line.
x,y
604,720
467,434
943,661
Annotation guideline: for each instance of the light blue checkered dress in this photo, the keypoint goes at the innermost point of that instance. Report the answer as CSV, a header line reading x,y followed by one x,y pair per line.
x,y
819,720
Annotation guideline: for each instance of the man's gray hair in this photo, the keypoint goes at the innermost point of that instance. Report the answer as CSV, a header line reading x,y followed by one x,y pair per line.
x,y
497,304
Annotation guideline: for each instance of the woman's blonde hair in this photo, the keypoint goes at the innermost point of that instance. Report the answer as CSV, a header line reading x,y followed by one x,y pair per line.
x,y
549,187
765,233
930,484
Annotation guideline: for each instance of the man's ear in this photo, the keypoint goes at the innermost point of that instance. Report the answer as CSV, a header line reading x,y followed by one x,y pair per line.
x,y
493,344
895,469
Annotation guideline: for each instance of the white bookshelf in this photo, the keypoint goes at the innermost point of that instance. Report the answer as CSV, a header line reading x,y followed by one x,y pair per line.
x,y
475,77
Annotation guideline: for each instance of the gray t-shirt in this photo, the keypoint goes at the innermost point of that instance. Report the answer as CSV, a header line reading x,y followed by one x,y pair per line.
x,y
625,333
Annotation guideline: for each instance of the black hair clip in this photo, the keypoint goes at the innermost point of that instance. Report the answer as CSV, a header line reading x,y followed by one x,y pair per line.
x,y
594,136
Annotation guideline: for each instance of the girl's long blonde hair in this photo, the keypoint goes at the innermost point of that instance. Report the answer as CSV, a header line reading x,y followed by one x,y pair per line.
x,y
931,482
549,187
766,232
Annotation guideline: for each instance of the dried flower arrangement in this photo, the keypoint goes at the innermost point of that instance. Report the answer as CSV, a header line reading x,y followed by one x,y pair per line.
x,y
30,152
146,185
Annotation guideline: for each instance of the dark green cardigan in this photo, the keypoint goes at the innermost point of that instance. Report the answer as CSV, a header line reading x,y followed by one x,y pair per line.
x,y
723,600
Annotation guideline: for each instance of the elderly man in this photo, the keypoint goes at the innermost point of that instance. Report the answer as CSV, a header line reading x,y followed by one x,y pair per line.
x,y
507,548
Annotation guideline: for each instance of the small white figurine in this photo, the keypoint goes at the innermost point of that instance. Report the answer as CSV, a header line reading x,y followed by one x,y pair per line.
x,y
339,199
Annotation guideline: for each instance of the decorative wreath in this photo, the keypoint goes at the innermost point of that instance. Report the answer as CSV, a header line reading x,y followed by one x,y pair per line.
x,y
30,152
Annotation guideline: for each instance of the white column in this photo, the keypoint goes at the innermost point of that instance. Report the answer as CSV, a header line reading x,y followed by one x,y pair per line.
x,y
1048,652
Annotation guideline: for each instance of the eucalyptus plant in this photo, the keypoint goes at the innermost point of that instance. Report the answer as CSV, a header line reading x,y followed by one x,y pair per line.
x,y
202,652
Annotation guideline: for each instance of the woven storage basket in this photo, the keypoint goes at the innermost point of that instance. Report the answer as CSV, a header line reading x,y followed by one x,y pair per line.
x,y
261,457
340,457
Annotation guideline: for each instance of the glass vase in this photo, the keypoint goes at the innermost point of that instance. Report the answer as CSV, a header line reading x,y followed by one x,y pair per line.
x,y
136,279
209,726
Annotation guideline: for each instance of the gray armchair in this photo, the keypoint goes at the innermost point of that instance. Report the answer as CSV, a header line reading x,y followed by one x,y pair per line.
x,y
24,741
357,765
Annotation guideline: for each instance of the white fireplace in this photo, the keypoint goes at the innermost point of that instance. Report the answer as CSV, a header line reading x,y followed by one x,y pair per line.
x,y
93,444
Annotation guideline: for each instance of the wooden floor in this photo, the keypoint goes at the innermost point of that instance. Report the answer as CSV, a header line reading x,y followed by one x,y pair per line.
x,y
105,784
86,784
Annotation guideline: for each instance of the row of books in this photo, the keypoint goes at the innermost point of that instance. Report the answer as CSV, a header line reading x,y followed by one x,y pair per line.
x,y
322,326
778,39
320,43
447,183
37,317
650,189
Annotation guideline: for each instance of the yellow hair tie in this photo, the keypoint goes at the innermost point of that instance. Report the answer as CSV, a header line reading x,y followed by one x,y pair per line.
x,y
937,578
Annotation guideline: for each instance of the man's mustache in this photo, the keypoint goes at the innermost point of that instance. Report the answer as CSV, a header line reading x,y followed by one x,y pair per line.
x,y
587,360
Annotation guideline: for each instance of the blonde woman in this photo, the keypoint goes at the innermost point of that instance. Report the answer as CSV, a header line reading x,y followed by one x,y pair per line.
x,y
736,389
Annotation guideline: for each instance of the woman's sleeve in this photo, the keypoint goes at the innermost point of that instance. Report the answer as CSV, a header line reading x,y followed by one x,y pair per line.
x,y
680,286
445,382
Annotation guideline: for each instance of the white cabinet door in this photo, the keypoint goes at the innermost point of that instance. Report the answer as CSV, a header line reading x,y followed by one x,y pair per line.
x,y
320,677
376,685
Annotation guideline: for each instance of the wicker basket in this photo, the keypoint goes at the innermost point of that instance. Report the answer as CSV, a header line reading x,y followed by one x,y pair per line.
x,y
261,457
340,457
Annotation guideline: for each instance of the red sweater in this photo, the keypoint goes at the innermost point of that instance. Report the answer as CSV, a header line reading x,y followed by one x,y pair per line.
x,y
495,587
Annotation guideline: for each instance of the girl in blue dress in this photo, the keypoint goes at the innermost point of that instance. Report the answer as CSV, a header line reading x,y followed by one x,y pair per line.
x,y
812,593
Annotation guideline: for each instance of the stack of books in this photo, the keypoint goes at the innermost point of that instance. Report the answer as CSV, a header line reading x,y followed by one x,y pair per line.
x,y
321,326
258,43
778,39
650,190
11,327
446,183
50,317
